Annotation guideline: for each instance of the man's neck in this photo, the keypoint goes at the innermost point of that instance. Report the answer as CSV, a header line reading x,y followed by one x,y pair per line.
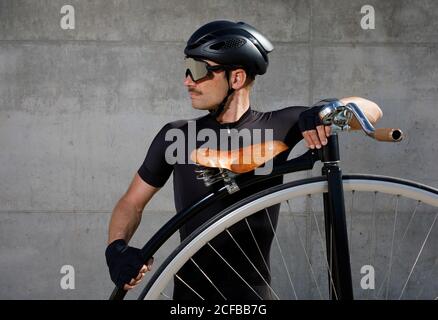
x,y
234,109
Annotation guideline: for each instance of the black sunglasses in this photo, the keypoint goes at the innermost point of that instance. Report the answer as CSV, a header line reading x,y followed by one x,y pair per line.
x,y
198,69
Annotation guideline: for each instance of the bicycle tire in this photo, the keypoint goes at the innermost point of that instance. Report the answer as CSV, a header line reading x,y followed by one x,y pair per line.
x,y
271,196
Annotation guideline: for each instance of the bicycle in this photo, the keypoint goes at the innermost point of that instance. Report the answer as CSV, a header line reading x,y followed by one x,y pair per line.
x,y
335,263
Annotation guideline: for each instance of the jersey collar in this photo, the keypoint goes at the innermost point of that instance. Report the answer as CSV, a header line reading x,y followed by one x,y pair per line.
x,y
246,116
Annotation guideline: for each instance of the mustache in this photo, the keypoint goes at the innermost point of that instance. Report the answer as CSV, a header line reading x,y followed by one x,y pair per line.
x,y
194,91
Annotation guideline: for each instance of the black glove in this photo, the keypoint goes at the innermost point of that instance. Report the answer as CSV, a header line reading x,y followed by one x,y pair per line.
x,y
309,119
124,262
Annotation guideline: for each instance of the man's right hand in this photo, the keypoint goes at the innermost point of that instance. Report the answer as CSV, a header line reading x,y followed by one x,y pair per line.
x,y
126,264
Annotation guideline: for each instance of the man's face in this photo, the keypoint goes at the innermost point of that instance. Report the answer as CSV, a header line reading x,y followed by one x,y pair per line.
x,y
207,93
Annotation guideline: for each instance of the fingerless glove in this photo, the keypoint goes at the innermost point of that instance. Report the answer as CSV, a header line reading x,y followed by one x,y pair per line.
x,y
124,262
309,119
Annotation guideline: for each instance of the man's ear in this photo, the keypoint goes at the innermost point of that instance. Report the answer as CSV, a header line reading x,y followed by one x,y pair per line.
x,y
238,78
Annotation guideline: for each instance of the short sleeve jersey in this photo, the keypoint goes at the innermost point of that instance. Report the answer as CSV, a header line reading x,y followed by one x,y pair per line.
x,y
170,152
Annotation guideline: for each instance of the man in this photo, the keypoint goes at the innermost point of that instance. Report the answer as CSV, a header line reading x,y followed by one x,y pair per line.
x,y
222,60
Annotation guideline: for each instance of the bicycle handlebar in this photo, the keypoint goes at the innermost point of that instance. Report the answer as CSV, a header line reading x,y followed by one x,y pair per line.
x,y
339,117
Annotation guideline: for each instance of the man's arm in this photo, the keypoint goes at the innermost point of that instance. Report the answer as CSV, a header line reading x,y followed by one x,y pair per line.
x,y
126,218
316,137
369,108
127,213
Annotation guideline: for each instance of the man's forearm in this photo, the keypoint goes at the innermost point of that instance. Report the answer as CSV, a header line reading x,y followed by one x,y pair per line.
x,y
369,108
124,221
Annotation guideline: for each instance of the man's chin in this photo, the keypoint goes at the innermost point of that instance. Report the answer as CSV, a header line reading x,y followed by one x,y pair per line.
x,y
205,108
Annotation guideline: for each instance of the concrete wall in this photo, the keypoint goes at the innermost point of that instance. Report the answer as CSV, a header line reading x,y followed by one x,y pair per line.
x,y
78,109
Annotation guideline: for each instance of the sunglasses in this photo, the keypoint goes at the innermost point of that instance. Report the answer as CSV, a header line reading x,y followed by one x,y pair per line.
x,y
198,69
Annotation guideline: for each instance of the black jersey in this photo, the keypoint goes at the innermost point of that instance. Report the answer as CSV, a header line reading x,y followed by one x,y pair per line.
x,y
277,125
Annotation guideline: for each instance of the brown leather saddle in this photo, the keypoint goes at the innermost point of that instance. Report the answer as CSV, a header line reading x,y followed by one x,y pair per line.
x,y
239,160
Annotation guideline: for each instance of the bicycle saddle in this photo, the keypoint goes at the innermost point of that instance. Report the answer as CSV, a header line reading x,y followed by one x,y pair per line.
x,y
239,160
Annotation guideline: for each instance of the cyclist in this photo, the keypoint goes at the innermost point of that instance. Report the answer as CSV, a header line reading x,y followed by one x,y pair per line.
x,y
222,60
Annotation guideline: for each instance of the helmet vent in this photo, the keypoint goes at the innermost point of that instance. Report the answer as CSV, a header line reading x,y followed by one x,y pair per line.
x,y
228,44
200,42
205,39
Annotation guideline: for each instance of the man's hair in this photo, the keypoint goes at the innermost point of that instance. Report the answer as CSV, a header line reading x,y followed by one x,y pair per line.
x,y
250,79
250,76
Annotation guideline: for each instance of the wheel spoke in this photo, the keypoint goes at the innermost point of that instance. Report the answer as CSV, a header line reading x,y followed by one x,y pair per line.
x,y
386,276
409,224
234,270
391,255
193,290
252,264
258,247
351,221
305,251
321,241
373,236
418,255
165,295
208,278
281,254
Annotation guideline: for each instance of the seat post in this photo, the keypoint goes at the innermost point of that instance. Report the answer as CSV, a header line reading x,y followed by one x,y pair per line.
x,y
338,255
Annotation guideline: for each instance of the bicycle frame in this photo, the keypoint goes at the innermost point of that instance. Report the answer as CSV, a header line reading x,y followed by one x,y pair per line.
x,y
338,254
334,214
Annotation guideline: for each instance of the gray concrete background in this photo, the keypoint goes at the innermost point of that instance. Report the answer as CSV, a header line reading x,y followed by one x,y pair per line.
x,y
78,109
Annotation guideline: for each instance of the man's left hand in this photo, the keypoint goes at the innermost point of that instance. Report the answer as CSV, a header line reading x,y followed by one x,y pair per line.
x,y
314,132
316,138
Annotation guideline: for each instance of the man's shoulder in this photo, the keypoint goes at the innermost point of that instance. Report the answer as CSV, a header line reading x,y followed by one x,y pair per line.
x,y
183,123
289,111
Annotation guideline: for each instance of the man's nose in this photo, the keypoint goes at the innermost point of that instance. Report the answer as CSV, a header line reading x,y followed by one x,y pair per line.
x,y
188,81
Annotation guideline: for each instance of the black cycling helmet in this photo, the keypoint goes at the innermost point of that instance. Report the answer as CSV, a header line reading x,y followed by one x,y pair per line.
x,y
230,43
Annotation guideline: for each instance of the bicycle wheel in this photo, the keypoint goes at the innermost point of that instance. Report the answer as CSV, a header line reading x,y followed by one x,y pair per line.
x,y
394,249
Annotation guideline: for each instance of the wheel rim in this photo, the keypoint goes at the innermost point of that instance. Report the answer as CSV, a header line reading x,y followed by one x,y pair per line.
x,y
385,185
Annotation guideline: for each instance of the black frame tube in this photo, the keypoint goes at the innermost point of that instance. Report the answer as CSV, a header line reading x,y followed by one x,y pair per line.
x,y
338,255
